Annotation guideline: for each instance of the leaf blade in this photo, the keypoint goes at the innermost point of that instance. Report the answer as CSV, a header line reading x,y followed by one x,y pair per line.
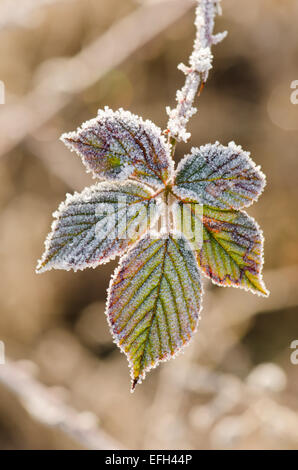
x,y
95,226
232,248
119,145
219,176
149,319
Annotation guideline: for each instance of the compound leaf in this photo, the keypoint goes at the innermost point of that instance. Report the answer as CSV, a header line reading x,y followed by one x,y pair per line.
x,y
154,301
119,145
95,226
219,177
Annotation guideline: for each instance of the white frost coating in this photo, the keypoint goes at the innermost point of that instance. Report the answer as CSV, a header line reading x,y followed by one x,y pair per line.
x,y
200,63
118,145
219,176
238,256
154,302
93,227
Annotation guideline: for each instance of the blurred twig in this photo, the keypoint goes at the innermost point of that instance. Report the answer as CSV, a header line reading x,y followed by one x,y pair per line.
x,y
197,72
47,408
16,13
58,80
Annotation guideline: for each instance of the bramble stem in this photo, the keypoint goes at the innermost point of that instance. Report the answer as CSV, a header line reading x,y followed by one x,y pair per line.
x,y
200,63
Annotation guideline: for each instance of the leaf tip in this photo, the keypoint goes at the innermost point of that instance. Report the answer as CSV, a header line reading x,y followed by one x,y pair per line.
x,y
257,285
134,383
69,139
41,267
263,291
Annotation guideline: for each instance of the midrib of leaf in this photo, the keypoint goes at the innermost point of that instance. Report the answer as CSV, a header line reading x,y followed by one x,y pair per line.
x,y
154,317
174,298
218,178
137,308
179,278
128,285
212,239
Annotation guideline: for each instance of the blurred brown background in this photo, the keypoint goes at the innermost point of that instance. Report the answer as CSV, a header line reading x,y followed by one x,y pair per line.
x,y
65,384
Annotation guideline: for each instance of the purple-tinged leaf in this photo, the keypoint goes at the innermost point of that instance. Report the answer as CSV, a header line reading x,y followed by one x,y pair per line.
x,y
119,145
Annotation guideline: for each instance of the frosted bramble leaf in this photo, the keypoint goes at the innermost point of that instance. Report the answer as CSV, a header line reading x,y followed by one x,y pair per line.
x,y
95,226
119,145
231,253
220,177
154,301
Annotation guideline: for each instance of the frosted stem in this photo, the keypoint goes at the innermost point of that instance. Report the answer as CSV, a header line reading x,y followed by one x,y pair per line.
x,y
200,63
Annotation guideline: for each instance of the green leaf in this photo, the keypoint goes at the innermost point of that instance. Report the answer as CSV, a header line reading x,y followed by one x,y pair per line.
x,y
119,146
95,226
220,177
154,301
231,253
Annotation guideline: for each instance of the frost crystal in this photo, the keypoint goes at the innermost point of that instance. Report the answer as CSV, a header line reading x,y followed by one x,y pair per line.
x,y
197,73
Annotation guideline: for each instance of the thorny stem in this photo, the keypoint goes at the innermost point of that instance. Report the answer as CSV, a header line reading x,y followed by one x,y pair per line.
x,y
200,63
